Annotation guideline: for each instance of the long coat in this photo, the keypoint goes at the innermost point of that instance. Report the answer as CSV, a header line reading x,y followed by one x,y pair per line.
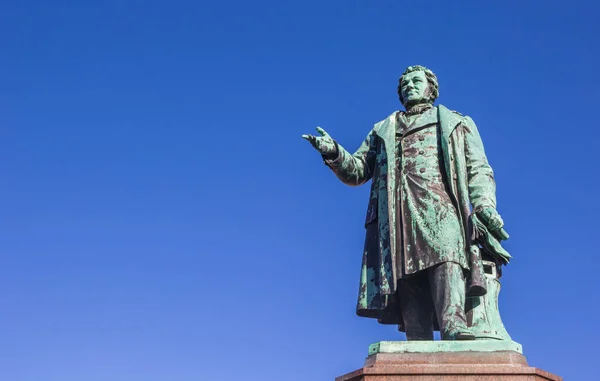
x,y
471,182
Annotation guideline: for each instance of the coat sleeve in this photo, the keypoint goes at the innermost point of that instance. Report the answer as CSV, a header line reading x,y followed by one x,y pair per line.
x,y
480,176
355,169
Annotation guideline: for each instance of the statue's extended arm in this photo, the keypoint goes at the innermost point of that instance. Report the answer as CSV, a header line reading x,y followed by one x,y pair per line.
x,y
352,169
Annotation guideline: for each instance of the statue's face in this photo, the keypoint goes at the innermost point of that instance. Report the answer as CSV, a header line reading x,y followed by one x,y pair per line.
x,y
414,88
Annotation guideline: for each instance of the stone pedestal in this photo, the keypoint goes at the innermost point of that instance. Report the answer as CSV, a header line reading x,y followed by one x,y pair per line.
x,y
481,360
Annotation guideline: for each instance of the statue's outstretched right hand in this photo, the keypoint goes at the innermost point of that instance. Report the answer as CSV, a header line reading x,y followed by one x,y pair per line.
x,y
324,143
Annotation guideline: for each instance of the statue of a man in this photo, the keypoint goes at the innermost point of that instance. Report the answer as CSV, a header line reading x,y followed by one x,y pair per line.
x,y
431,215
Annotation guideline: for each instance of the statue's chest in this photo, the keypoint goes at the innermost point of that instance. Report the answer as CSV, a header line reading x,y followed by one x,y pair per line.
x,y
418,150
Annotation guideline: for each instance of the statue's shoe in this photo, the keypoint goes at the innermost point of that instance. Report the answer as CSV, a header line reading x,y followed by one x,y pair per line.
x,y
460,334
464,334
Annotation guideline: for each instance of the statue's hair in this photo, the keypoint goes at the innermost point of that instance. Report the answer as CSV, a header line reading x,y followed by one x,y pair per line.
x,y
431,80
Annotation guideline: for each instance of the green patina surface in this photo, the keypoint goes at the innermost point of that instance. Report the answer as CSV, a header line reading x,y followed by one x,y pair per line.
x,y
432,202
444,346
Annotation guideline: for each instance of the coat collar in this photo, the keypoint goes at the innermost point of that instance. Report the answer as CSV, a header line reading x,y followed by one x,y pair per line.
x,y
386,129
425,119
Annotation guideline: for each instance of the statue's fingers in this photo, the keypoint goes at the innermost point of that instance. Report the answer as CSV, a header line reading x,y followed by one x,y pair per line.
x,y
496,223
503,234
312,140
322,131
489,217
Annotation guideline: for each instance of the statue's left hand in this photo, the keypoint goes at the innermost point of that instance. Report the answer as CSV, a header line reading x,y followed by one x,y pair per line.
x,y
324,143
491,217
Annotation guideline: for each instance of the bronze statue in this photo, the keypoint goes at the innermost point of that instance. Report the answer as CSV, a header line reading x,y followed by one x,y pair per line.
x,y
432,249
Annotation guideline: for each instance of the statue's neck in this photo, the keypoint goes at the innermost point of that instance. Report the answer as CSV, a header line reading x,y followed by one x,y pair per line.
x,y
418,108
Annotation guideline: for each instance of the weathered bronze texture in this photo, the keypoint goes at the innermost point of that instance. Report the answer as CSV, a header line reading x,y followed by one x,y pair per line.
x,y
432,254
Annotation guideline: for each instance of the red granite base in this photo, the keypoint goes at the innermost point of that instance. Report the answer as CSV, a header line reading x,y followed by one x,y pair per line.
x,y
448,366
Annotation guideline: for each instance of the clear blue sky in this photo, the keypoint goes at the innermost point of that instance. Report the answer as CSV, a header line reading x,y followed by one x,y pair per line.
x,y
162,219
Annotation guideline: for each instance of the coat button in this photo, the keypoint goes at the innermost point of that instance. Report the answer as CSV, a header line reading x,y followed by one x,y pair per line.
x,y
421,152
421,138
422,170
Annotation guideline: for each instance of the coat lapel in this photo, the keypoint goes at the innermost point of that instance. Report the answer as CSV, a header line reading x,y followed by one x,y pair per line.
x,y
386,129
427,118
448,122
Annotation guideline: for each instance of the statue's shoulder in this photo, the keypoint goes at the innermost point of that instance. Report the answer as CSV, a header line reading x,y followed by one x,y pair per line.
x,y
456,115
385,123
444,109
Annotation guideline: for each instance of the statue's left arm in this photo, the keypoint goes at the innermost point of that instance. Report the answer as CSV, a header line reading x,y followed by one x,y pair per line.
x,y
482,193
480,176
